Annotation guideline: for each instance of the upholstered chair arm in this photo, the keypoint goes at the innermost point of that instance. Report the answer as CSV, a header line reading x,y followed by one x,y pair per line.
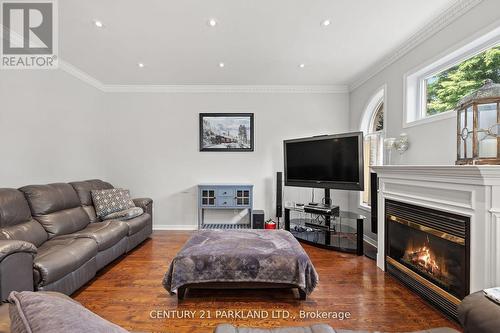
x,y
145,203
16,266
8,247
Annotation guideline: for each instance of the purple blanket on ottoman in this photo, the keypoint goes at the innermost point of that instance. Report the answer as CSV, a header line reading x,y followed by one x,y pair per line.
x,y
268,256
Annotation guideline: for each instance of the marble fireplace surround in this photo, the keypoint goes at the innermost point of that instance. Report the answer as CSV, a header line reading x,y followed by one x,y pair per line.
x,y
472,191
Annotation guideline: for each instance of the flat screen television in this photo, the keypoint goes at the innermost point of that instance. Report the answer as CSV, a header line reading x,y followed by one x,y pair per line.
x,y
329,161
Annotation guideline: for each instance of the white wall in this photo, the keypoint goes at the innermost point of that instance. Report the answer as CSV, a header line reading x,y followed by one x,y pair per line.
x,y
49,128
54,127
432,143
153,145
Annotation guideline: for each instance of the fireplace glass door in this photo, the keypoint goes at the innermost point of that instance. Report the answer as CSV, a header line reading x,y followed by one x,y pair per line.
x,y
436,259
430,245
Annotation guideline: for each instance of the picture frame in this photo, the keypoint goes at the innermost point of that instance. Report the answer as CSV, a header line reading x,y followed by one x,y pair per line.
x,y
227,132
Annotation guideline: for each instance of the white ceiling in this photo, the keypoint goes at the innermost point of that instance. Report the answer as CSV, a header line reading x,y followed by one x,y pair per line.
x,y
261,42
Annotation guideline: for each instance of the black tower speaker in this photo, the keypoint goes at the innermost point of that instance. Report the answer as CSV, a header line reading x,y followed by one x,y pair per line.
x,y
374,200
279,194
258,219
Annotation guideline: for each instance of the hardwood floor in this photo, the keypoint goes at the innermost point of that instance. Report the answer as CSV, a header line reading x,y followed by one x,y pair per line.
x,y
128,291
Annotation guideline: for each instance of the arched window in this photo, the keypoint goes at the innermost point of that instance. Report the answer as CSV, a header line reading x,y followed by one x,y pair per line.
x,y
372,125
377,124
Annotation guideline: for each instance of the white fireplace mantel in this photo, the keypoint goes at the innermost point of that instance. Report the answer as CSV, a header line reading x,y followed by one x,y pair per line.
x,y
472,191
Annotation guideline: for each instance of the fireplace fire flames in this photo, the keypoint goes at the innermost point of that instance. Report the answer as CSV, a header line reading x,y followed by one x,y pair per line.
x,y
424,260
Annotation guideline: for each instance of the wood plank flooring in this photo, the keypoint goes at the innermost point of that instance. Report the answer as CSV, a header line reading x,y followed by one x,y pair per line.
x,y
130,289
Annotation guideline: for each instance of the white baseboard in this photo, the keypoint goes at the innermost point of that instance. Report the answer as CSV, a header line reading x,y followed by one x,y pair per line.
x,y
174,227
370,241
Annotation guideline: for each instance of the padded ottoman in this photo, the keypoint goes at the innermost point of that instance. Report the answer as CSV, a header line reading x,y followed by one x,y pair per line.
x,y
477,313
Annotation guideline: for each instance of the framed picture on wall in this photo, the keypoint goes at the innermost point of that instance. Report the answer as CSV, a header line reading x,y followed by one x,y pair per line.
x,y
226,132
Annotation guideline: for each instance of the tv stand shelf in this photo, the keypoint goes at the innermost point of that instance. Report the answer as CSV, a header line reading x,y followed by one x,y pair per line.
x,y
342,232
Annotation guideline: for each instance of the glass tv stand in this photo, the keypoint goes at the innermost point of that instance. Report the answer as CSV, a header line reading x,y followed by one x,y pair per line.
x,y
342,231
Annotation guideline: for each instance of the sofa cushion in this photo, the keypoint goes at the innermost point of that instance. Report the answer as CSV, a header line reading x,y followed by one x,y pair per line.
x,y
137,223
16,222
14,208
91,213
58,257
46,199
30,231
126,214
57,207
111,201
83,189
64,222
29,313
105,234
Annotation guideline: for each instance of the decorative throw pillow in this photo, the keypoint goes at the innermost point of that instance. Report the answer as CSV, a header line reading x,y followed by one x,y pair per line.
x,y
42,312
111,201
126,214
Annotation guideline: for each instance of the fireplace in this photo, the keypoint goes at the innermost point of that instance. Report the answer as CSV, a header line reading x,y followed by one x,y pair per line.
x,y
428,250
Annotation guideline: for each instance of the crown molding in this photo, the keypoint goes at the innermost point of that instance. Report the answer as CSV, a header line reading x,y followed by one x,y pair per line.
x,y
228,89
81,75
444,19
195,88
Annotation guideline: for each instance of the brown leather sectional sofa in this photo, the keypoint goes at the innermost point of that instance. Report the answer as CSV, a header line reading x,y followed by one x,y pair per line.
x,y
51,238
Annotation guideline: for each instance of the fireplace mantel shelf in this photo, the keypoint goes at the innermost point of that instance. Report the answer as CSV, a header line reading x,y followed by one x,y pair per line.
x,y
471,191
471,174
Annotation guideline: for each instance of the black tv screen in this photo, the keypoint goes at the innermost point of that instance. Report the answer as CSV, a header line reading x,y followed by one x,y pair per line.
x,y
333,161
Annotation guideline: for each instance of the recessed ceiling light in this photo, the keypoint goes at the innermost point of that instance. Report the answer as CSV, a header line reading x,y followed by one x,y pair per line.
x,y
325,23
221,65
212,22
98,24
302,65
140,64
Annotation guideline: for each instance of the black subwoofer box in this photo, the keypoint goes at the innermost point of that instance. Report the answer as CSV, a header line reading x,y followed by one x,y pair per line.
x,y
258,219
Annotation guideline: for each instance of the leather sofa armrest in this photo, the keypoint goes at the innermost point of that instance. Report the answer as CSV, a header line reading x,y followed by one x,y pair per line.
x,y
145,203
16,266
8,247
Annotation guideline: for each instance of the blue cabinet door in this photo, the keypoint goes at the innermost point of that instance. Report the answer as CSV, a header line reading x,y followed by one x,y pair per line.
x,y
208,197
243,197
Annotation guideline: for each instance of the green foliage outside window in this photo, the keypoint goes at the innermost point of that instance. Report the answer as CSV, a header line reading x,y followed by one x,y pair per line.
x,y
445,89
